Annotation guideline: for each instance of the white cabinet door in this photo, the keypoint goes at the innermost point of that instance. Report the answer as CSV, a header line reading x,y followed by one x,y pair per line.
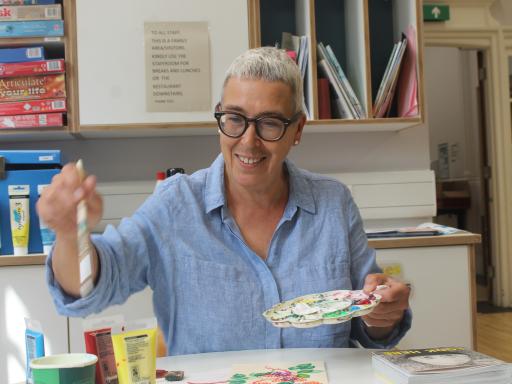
x,y
138,306
440,297
23,293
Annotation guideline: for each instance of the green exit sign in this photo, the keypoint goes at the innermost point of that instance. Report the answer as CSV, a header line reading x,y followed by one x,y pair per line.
x,y
432,12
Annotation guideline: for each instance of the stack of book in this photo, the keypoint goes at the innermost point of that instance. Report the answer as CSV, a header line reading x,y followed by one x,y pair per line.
x,y
383,101
41,18
346,104
32,88
453,365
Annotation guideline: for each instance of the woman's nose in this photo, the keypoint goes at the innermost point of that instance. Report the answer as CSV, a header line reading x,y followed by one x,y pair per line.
x,y
250,136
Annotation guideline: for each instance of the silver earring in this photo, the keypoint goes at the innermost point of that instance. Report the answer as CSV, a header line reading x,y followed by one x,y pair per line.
x,y
218,130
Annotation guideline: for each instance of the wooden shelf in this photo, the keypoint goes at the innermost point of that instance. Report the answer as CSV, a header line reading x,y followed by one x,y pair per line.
x,y
13,261
204,128
363,125
425,241
15,135
23,41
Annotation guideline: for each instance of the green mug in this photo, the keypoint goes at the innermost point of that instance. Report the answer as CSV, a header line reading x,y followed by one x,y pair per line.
x,y
67,368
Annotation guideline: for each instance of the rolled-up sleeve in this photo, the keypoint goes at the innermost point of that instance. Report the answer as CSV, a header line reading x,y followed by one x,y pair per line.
x,y
124,263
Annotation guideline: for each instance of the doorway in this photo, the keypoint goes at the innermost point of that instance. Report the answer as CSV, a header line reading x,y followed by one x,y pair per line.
x,y
455,84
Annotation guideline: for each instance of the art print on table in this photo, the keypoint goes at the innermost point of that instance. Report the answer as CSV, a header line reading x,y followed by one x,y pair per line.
x,y
274,373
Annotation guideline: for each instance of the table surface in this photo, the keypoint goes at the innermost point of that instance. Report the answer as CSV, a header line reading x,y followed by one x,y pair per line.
x,y
346,365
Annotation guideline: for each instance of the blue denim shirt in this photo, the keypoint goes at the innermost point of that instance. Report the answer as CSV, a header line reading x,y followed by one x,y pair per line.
x,y
210,288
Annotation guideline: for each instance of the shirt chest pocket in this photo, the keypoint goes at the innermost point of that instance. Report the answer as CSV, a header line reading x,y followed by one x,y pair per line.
x,y
214,299
316,278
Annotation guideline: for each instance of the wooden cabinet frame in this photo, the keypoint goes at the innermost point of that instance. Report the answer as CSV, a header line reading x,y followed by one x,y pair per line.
x,y
339,125
472,26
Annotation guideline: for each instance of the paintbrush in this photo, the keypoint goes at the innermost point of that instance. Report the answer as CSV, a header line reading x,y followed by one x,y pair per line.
x,y
84,246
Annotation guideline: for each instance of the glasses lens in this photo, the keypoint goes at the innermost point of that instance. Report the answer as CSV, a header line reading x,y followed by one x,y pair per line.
x,y
232,124
270,128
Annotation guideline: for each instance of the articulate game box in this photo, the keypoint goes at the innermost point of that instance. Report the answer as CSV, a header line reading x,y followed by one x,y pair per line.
x,y
34,28
31,121
32,87
32,106
26,2
32,68
14,55
31,12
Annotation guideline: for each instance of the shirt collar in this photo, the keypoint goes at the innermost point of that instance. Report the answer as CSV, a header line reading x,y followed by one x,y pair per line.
x,y
214,191
301,194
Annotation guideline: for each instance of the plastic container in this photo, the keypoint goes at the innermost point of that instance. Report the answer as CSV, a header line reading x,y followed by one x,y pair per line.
x,y
68,368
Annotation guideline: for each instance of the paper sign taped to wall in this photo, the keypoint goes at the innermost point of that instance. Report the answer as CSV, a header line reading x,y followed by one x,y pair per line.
x,y
178,75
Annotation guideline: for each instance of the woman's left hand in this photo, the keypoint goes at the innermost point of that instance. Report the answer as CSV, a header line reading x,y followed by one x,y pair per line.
x,y
390,311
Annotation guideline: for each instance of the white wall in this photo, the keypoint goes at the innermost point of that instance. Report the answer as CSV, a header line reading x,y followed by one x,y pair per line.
x,y
451,77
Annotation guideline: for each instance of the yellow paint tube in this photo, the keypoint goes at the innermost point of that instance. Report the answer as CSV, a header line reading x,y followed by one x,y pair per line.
x,y
135,352
20,218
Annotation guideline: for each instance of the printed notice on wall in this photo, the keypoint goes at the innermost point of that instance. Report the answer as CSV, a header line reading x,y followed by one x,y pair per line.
x,y
177,66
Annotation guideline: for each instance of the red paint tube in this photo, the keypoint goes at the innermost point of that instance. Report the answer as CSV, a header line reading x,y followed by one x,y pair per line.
x,y
106,360
98,341
90,347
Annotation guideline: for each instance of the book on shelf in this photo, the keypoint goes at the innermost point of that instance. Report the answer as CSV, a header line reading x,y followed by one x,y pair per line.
x,y
299,45
31,121
30,12
292,55
340,106
33,106
27,68
384,80
14,55
290,42
384,98
33,28
345,83
32,87
450,365
26,2
324,99
346,109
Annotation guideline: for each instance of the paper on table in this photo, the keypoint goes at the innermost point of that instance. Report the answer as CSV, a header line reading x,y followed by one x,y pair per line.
x,y
445,230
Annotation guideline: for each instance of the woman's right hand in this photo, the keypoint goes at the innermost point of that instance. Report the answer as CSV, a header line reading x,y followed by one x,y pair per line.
x,y
58,203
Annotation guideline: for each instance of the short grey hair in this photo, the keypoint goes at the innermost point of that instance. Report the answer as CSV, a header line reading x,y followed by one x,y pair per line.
x,y
269,64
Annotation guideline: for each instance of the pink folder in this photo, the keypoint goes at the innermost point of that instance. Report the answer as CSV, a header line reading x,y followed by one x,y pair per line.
x,y
408,80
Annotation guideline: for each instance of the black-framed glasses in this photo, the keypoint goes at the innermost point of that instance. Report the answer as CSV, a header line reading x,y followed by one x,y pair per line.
x,y
268,128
